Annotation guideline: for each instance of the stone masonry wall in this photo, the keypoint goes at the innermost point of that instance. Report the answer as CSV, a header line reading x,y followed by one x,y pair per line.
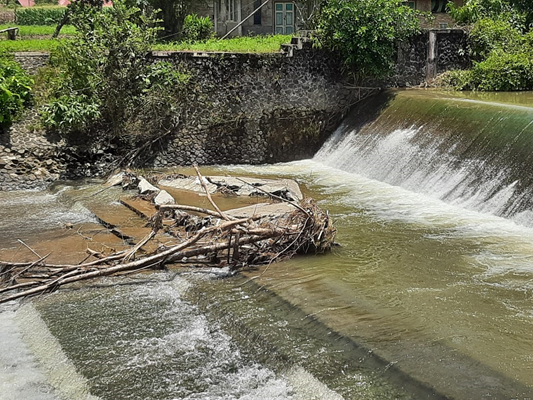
x,y
251,108
243,108
413,64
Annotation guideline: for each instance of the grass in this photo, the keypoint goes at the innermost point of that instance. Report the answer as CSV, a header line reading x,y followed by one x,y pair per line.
x,y
28,45
246,44
39,30
255,44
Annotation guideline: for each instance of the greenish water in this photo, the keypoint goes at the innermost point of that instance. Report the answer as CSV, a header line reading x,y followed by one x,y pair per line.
x,y
429,294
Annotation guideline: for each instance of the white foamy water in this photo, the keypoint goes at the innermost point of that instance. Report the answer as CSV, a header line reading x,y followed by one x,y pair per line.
x,y
142,341
20,375
414,160
421,271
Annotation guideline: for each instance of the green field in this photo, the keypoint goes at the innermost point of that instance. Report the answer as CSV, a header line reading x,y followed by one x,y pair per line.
x,y
37,38
28,45
246,44
28,31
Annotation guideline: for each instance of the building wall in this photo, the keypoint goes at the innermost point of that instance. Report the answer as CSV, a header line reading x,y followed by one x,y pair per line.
x,y
427,5
267,19
249,27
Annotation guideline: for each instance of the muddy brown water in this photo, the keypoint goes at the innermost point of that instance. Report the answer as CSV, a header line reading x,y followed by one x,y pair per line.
x,y
428,296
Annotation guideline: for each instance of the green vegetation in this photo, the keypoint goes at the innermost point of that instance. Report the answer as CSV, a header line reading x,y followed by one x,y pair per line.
x,y
171,13
197,28
104,84
26,31
365,33
11,46
39,15
255,44
501,47
15,91
517,12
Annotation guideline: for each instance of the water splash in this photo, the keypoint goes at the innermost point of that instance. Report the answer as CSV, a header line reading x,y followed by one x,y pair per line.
x,y
472,154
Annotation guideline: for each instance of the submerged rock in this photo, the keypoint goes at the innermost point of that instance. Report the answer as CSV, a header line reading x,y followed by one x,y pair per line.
x,y
191,183
285,188
115,180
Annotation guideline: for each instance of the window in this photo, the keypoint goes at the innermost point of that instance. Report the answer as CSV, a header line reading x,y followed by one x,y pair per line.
x,y
257,15
232,13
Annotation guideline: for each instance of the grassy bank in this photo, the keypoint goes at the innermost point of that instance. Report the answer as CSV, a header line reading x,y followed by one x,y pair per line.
x,y
11,46
28,31
253,44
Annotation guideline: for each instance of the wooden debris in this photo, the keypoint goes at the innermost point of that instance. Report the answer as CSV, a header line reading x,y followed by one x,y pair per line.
x,y
236,239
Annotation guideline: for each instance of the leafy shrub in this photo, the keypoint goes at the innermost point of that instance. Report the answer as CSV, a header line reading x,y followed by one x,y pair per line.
x,y
15,91
105,79
499,72
488,35
197,28
456,79
476,10
504,53
70,113
365,33
39,16
503,71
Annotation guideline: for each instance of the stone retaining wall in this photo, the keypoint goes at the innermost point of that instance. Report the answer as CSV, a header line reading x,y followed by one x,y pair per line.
x,y
253,109
421,58
243,108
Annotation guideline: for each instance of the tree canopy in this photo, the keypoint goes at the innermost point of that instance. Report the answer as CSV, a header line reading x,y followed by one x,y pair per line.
x,y
171,13
104,80
365,33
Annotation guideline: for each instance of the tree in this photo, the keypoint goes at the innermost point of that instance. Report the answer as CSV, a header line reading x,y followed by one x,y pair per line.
x,y
15,91
105,82
308,12
171,13
76,7
366,32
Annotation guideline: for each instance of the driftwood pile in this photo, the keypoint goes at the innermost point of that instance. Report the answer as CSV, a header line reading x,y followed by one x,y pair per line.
x,y
219,241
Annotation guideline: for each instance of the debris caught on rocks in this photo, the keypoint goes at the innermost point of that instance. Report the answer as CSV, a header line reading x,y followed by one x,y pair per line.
x,y
238,238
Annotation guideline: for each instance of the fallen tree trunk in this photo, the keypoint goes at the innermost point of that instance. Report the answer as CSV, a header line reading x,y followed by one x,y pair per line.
x,y
224,241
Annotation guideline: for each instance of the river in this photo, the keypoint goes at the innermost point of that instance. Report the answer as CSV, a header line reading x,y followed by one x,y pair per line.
x,y
429,294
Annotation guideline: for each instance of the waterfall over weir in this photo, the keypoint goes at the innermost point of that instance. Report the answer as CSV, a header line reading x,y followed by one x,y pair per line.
x,y
465,151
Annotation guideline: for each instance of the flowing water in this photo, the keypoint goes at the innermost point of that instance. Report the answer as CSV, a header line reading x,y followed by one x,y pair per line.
x,y
429,294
